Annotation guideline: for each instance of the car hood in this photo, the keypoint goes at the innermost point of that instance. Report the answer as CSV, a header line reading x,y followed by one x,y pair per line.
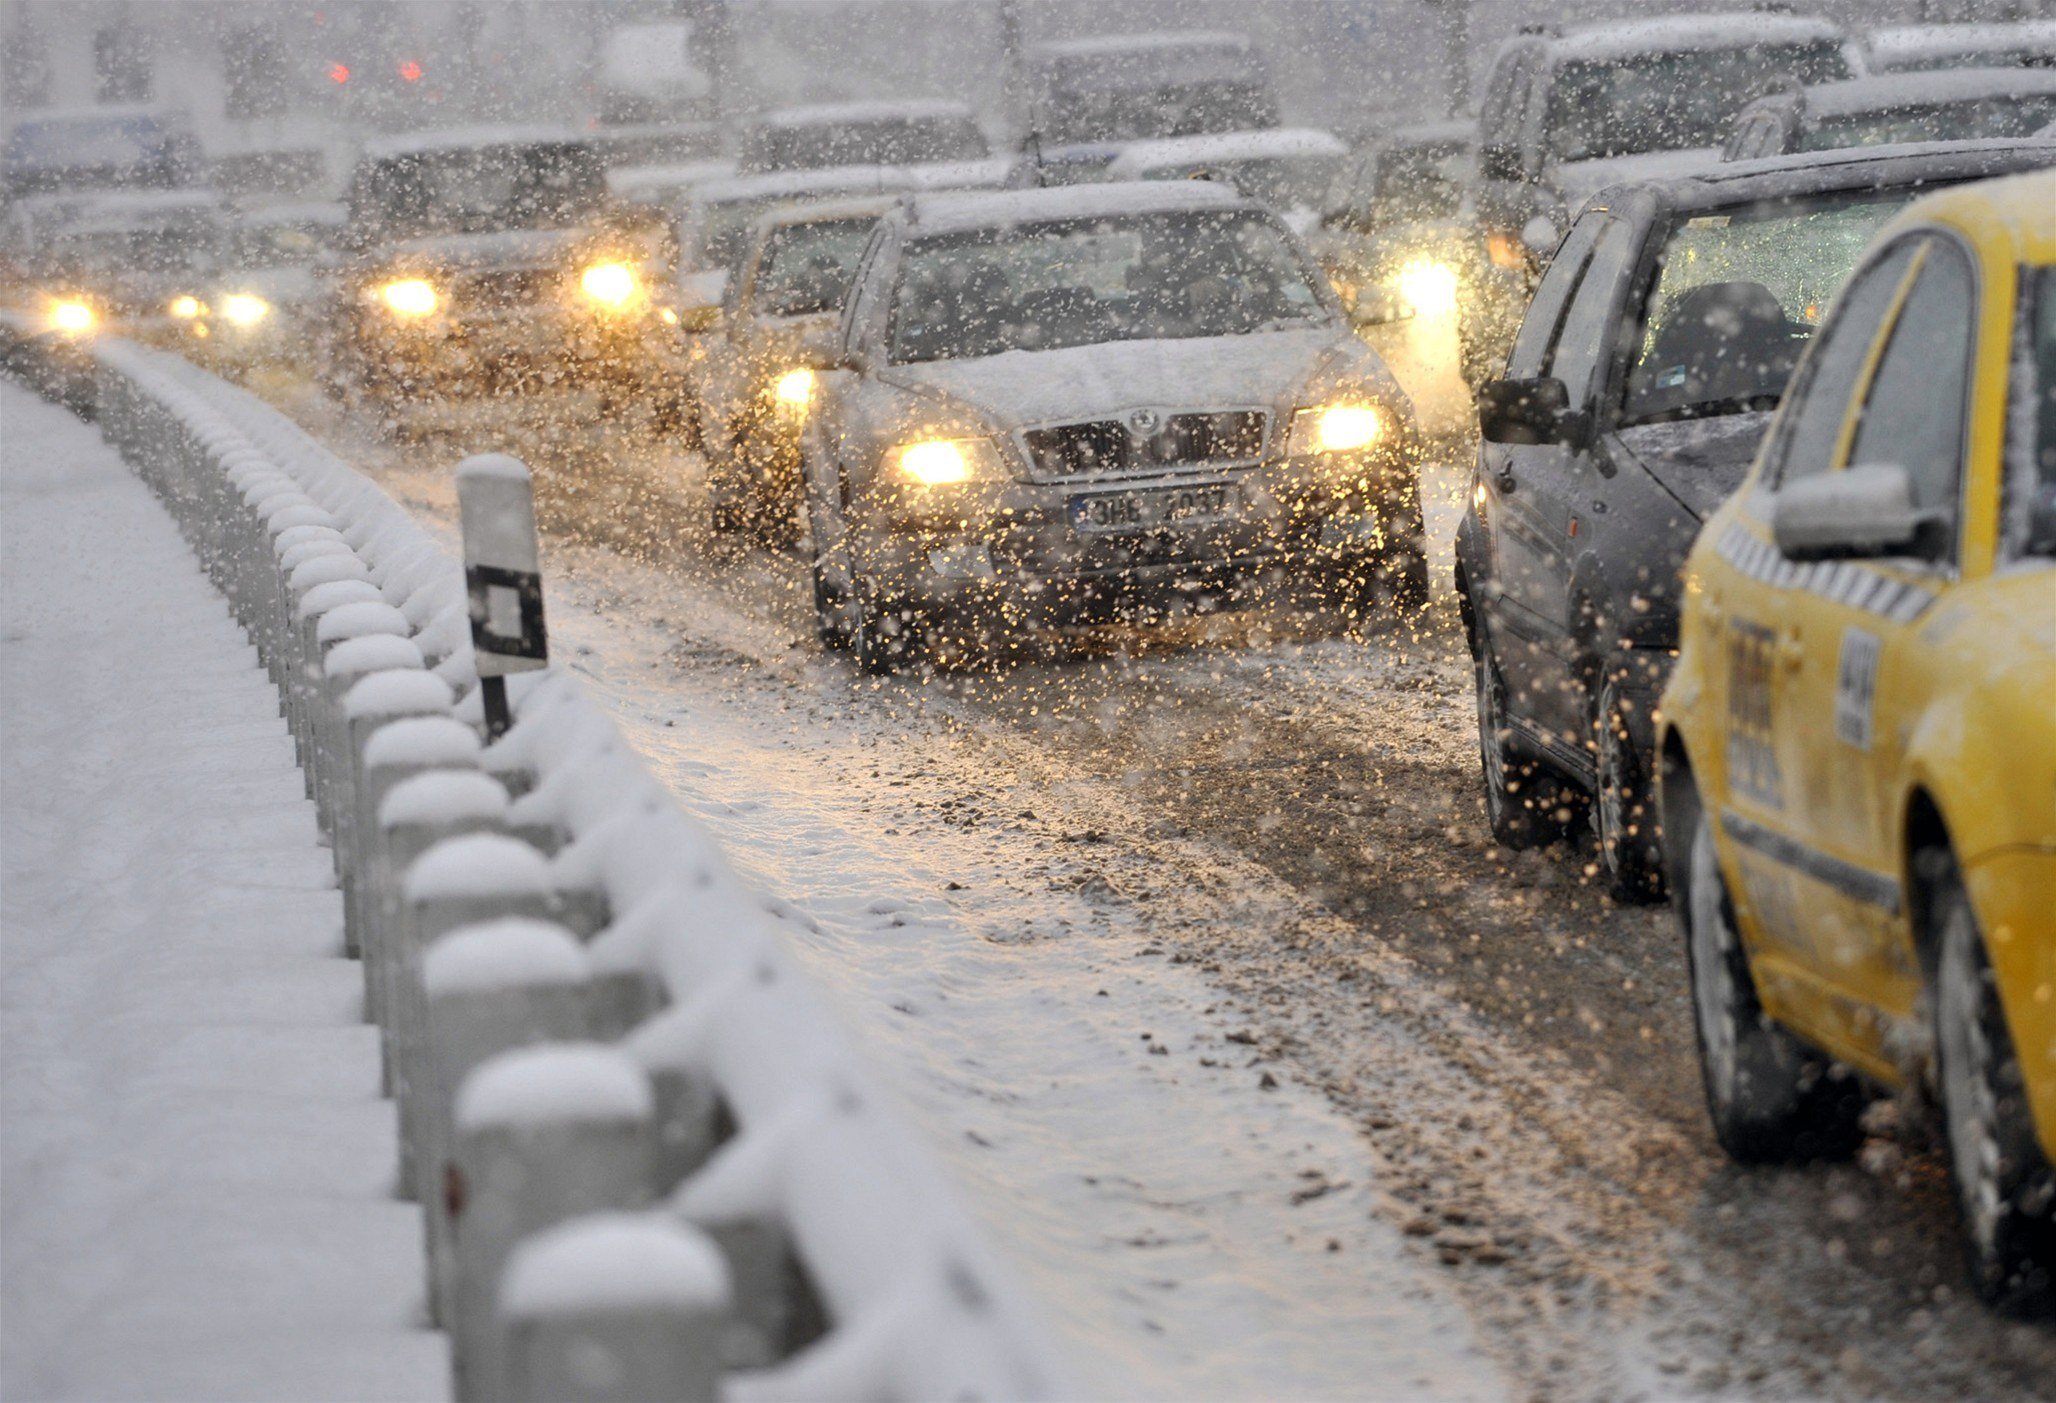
x,y
512,248
1698,461
1578,181
1020,388
2019,595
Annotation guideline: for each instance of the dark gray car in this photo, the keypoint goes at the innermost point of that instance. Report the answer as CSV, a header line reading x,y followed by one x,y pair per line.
x,y
1641,380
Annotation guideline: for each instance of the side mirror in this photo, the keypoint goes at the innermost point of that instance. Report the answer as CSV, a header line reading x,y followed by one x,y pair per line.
x,y
1529,412
699,300
2040,537
1856,512
1377,306
697,319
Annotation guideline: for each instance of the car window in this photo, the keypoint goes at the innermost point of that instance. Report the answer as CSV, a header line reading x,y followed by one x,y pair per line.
x,y
1506,98
1994,117
1736,298
1672,100
2031,426
1808,436
1538,328
1588,331
1913,414
806,268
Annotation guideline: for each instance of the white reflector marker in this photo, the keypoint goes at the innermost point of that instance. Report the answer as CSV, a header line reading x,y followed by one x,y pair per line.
x,y
503,575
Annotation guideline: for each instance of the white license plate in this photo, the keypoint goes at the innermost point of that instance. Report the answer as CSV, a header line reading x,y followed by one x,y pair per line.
x,y
1106,512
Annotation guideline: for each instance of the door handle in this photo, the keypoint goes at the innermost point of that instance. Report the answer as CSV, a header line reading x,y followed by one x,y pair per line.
x,y
1504,481
1791,650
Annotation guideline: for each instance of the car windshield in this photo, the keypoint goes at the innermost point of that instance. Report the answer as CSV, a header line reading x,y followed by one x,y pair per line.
x,y
2031,460
1672,101
1942,121
896,141
806,268
481,189
1132,277
1738,295
724,231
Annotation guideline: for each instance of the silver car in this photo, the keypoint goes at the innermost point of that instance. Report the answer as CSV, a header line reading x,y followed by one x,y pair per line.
x,y
1046,406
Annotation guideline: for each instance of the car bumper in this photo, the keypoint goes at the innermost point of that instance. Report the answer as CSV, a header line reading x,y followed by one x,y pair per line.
x,y
2013,892
491,355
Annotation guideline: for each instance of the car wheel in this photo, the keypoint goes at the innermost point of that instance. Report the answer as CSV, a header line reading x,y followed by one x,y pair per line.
x,y
2003,1185
1770,1098
1623,807
887,634
1523,803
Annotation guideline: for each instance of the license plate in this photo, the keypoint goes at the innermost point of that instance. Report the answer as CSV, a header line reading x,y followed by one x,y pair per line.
x,y
1102,512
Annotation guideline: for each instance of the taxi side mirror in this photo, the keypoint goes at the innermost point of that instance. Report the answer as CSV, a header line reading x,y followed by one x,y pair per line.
x,y
1860,511
697,318
1530,412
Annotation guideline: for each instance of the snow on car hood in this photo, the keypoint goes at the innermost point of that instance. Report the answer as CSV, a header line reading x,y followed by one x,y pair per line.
x,y
1017,388
1699,461
1578,181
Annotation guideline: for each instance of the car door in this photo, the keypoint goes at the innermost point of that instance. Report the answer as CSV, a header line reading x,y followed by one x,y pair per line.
x,y
1762,767
1851,634
1542,490
831,417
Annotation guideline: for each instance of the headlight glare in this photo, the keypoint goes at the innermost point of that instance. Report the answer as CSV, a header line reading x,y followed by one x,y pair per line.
x,y
610,284
1335,428
410,297
942,462
794,389
73,317
244,309
1429,287
186,308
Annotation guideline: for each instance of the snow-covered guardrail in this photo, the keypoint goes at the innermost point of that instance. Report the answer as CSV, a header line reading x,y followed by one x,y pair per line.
x,y
649,1164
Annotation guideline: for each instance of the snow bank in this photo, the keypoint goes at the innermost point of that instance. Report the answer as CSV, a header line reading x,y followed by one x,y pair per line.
x,y
551,1083
613,1262
504,954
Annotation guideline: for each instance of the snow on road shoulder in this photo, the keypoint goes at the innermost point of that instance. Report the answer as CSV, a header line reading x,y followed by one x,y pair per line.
x,y
196,1169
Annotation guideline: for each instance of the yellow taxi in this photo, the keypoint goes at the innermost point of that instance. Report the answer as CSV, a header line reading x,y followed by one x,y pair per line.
x,y
1859,740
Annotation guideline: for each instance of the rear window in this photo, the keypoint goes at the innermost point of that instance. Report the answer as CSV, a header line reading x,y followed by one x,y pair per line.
x,y
1673,101
1942,121
899,141
479,190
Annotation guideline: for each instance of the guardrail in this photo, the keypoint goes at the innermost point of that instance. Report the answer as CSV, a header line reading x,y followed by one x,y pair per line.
x,y
649,1165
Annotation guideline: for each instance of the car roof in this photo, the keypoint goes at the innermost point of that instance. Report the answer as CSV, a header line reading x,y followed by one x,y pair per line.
x,y
1140,43
2019,209
1851,168
1601,40
628,180
1228,146
1450,129
828,114
1885,91
124,111
826,180
961,210
828,211
1901,43
468,138
109,208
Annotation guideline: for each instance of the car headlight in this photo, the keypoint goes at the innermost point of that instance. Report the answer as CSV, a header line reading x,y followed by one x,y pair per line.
x,y
1429,287
73,316
244,309
943,462
1334,428
186,308
410,297
794,390
610,284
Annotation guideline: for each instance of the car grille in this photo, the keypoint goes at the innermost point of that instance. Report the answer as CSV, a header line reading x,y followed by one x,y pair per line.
x,y
1100,446
504,288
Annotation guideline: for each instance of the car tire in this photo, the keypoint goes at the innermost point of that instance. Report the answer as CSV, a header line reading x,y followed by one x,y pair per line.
x,y
1770,1098
1623,804
2003,1184
1522,801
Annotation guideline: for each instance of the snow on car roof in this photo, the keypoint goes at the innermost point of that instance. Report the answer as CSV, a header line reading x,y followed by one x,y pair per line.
x,y
323,212
1897,45
1603,40
468,138
989,173
630,181
840,113
1884,91
986,208
110,209
828,211
823,180
1272,144
1464,129
1139,43
97,113
1857,166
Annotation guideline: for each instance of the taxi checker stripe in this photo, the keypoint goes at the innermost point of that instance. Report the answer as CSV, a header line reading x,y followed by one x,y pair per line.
x,y
1845,877
1842,581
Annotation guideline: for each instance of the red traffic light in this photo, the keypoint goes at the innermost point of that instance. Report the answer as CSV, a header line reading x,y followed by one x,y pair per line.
x,y
339,73
410,71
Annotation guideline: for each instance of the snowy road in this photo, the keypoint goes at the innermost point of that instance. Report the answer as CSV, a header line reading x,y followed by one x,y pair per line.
x,y
197,1164
1262,839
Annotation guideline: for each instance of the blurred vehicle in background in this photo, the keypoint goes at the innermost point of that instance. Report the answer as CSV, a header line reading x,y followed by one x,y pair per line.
x,y
1568,110
269,174
269,304
1059,406
1957,104
1859,740
98,148
1130,87
134,263
1911,47
915,132
665,189
1636,393
484,262
1287,168
1399,238
653,144
755,385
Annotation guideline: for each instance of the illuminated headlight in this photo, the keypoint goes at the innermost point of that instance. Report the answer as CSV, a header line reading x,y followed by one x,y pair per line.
x,y
943,462
794,390
1428,287
410,297
1334,428
73,317
244,309
185,308
610,284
